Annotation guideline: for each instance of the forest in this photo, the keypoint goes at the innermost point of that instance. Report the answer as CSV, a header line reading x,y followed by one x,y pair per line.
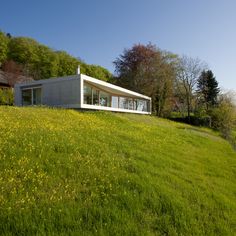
x,y
26,56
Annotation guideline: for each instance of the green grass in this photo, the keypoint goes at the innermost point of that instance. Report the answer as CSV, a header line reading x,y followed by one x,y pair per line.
x,y
65,172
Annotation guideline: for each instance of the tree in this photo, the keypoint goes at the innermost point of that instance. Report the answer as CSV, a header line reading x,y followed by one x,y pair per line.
x,y
67,64
133,65
6,97
26,56
189,70
9,35
23,50
14,71
223,116
164,82
148,70
208,90
98,72
3,47
47,64
12,67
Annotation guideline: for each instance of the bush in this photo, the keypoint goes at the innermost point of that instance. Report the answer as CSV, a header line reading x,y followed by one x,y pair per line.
x,y
223,117
6,97
194,120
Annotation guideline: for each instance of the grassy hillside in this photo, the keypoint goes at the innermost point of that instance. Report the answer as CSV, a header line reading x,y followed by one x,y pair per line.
x,y
65,172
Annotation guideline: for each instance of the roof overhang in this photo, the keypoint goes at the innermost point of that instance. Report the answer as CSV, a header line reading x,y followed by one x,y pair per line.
x,y
111,88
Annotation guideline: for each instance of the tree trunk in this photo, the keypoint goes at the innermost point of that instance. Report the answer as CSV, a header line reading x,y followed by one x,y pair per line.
x,y
188,108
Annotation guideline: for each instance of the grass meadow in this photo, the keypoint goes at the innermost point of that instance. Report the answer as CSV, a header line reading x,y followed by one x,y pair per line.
x,y
64,172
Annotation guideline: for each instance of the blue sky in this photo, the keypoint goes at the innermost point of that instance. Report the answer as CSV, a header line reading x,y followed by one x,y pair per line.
x,y
97,31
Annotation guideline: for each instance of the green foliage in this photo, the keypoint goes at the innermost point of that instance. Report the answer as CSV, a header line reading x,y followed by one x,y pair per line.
x,y
23,50
3,47
223,116
47,64
188,71
67,65
65,172
6,97
207,88
41,62
148,70
98,72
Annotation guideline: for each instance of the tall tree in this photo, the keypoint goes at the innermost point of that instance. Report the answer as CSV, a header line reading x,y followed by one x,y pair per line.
x,y
47,64
42,62
98,72
24,51
14,71
67,64
133,64
163,84
188,73
223,115
4,40
207,88
146,69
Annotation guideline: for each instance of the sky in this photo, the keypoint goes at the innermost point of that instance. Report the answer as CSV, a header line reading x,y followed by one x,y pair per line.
x,y
97,31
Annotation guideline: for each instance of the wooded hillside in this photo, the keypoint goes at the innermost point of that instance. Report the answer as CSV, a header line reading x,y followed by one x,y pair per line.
x,y
26,56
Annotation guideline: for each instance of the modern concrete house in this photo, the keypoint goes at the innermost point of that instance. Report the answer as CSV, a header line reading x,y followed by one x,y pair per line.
x,y
81,92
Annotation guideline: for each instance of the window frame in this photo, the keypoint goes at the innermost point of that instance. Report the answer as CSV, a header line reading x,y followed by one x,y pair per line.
x,y
32,95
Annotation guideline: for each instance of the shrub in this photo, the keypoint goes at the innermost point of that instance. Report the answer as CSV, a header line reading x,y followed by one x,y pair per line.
x,y
223,117
194,120
6,97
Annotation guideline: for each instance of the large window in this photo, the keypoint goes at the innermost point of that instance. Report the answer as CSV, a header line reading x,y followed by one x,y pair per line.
x,y
31,96
141,105
105,99
37,96
123,103
26,97
130,104
97,97
114,101
87,94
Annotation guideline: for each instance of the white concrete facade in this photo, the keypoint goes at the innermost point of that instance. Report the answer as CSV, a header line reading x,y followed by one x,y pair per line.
x,y
69,92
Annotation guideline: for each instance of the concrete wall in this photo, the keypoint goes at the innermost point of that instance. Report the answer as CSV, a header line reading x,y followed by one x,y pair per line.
x,y
61,92
17,95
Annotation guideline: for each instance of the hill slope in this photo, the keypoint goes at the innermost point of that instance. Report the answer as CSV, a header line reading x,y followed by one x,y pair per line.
x,y
65,172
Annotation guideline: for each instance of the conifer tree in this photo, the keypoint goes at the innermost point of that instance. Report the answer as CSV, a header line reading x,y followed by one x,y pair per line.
x,y
207,88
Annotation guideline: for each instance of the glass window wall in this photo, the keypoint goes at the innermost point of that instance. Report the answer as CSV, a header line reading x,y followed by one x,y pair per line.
x,y
87,94
130,104
36,96
115,101
141,105
31,96
94,96
105,99
26,97
123,103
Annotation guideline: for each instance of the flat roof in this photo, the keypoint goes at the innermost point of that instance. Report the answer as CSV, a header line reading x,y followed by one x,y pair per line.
x,y
111,88
45,81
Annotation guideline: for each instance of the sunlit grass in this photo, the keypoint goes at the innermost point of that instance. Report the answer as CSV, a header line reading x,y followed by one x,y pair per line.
x,y
66,172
